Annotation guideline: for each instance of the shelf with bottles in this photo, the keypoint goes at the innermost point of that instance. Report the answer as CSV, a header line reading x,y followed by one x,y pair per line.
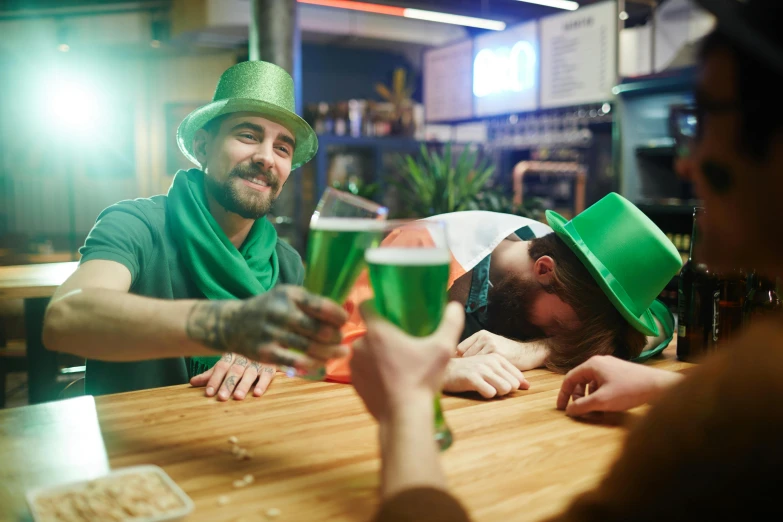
x,y
716,307
668,295
674,217
357,119
363,160
669,206
713,307
556,128
682,242
364,142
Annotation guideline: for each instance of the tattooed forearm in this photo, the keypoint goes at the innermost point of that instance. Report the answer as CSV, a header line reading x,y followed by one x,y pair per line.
x,y
256,327
207,324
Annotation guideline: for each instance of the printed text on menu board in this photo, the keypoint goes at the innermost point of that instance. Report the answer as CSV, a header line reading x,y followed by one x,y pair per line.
x,y
578,56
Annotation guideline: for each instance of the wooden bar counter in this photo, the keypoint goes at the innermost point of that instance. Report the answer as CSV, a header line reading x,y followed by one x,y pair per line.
x,y
315,454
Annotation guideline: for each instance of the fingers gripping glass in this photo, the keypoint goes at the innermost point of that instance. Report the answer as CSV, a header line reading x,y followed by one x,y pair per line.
x,y
343,226
409,272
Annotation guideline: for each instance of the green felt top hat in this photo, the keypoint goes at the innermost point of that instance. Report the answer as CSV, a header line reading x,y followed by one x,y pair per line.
x,y
259,87
626,253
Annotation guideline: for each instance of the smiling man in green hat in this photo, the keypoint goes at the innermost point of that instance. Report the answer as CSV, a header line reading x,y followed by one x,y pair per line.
x,y
200,271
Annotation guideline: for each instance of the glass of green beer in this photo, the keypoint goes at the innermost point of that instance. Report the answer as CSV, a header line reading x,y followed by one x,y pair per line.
x,y
343,226
409,273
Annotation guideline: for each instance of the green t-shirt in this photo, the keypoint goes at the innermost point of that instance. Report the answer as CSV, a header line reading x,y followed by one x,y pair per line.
x,y
136,234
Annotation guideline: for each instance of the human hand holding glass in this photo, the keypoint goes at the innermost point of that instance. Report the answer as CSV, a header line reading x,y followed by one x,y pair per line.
x,y
409,272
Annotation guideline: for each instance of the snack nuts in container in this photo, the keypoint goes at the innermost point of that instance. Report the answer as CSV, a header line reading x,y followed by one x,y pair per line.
x,y
138,494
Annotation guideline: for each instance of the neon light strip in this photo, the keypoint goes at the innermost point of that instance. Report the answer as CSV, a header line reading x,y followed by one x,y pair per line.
x,y
445,18
568,5
418,14
358,6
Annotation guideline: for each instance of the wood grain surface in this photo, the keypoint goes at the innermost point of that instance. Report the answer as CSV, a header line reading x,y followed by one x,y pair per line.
x,y
26,281
315,454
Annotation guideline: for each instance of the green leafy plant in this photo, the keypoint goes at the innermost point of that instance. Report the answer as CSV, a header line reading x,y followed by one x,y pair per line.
x,y
399,93
357,187
496,199
435,183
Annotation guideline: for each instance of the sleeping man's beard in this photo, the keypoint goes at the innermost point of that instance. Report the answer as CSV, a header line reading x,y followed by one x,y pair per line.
x,y
509,308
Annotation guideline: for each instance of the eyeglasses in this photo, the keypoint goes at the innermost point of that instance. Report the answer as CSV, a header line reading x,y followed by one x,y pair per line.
x,y
685,121
683,127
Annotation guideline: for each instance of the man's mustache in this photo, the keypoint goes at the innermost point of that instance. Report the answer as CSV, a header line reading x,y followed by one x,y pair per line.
x,y
254,172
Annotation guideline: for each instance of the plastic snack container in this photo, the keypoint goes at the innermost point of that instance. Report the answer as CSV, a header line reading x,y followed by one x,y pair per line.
x,y
35,496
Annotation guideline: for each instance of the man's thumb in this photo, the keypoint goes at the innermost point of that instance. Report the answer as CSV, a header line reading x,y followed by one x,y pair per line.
x,y
585,405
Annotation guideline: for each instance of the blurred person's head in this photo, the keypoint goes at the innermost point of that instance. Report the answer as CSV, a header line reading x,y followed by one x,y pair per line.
x,y
560,301
736,161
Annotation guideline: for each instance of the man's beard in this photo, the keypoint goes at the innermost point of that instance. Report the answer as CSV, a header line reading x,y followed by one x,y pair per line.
x,y
510,305
234,196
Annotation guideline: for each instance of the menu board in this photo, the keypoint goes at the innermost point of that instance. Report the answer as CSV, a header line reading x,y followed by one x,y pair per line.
x,y
448,76
505,71
578,56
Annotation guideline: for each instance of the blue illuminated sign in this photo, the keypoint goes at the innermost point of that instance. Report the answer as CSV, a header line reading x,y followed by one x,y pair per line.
x,y
504,70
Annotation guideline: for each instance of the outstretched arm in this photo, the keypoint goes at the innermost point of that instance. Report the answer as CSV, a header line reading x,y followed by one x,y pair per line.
x,y
93,315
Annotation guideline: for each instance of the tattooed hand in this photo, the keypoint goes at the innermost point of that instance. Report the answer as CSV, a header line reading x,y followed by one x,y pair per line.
x,y
235,374
286,326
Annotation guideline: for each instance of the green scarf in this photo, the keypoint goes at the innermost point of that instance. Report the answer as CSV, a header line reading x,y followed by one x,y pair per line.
x,y
218,268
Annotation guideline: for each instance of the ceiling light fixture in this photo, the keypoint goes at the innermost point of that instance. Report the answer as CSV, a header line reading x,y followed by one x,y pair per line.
x,y
417,14
568,5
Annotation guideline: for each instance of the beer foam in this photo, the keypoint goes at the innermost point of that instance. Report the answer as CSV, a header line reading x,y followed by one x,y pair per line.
x,y
347,224
408,256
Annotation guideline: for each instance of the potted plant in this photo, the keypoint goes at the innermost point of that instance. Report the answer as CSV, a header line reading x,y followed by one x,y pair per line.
x,y
437,183
496,199
357,187
399,95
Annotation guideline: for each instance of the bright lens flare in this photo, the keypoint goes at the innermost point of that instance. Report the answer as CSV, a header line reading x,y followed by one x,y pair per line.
x,y
73,107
